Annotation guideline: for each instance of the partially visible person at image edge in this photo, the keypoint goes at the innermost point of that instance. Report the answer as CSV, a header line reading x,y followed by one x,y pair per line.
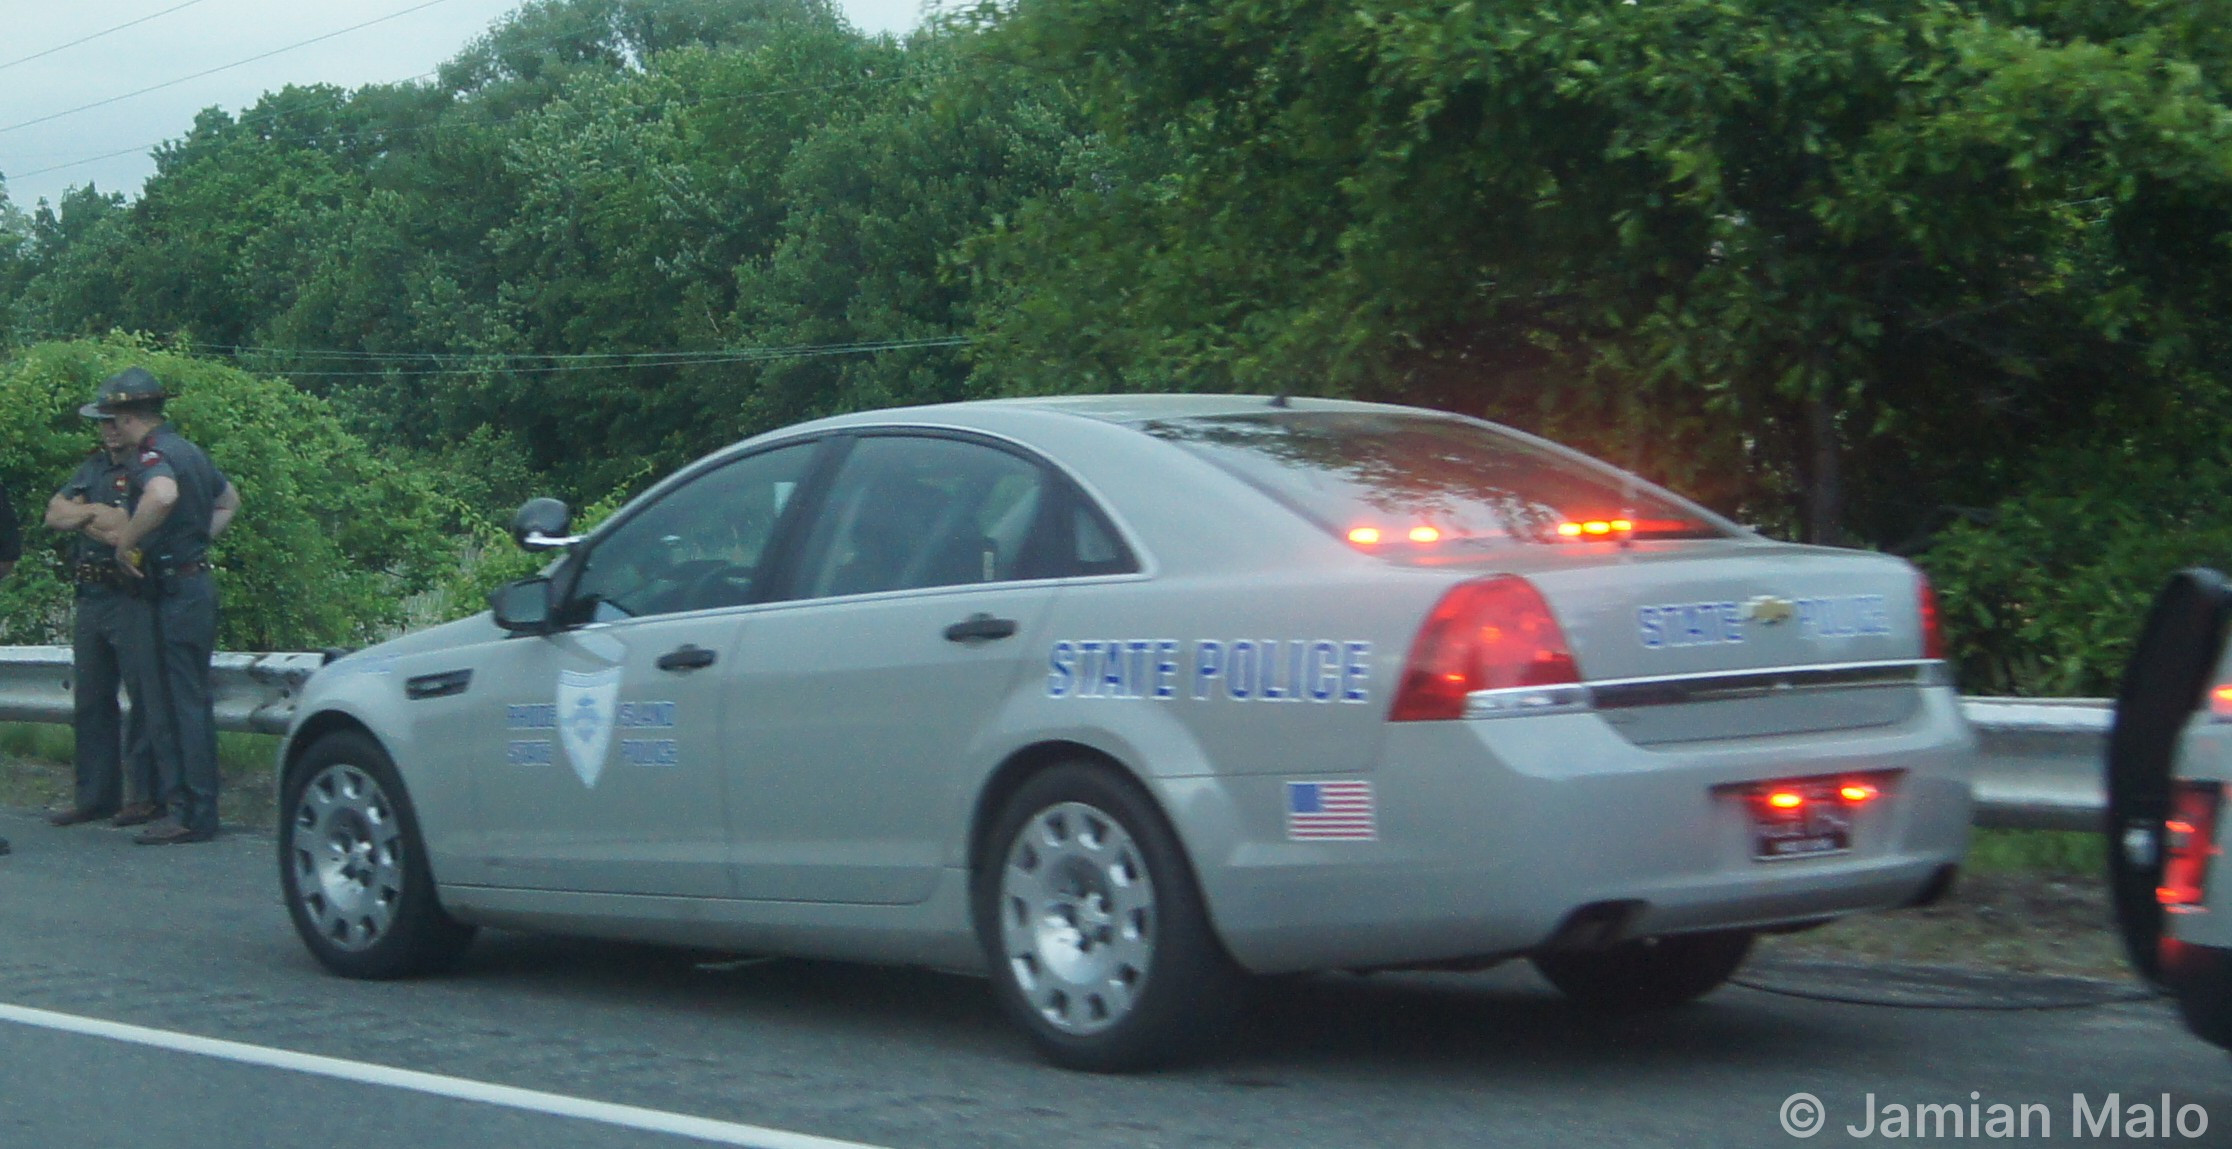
x,y
11,549
179,502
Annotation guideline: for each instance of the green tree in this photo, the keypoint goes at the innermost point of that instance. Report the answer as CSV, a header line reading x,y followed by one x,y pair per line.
x,y
1833,266
879,207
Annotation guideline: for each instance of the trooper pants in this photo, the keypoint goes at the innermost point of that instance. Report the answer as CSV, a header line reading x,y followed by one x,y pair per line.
x,y
112,645
184,733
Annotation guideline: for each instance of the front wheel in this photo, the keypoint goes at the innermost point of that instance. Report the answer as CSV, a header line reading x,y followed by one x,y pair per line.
x,y
1094,930
352,865
1647,973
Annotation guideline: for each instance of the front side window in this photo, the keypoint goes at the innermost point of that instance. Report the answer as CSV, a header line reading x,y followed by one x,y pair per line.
x,y
908,512
700,546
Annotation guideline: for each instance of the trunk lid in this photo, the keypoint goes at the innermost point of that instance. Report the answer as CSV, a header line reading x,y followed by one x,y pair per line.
x,y
1689,642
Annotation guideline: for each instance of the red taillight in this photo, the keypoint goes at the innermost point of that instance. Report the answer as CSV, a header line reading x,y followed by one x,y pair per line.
x,y
1933,639
2188,842
1486,635
2220,703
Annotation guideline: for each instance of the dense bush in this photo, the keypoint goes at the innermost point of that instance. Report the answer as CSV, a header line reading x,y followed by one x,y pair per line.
x,y
2043,594
332,534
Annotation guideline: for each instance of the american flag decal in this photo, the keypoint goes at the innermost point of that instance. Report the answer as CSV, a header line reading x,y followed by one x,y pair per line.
x,y
1330,811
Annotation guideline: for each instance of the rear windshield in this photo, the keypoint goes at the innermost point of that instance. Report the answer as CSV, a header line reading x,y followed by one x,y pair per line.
x,y
1421,483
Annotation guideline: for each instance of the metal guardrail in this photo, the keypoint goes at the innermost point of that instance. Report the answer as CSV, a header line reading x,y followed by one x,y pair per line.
x,y
2037,764
250,692
2038,761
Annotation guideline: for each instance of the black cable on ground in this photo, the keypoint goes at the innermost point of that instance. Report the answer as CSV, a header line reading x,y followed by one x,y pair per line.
x,y
2121,997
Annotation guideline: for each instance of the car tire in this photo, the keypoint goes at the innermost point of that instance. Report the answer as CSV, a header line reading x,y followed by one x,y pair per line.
x,y
353,866
1647,973
1094,930
2163,684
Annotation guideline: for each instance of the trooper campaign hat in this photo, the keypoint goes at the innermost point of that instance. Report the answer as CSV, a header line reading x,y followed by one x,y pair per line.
x,y
131,387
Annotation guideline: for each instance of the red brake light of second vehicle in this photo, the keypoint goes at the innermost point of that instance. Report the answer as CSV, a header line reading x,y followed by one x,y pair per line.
x,y
1489,634
2220,703
2189,842
1933,638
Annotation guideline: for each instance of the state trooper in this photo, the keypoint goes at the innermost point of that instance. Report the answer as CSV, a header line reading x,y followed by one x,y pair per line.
x,y
112,642
179,501
11,549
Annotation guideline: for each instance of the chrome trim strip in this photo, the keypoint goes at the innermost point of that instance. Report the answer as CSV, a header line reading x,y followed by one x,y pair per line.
x,y
1673,689
1527,701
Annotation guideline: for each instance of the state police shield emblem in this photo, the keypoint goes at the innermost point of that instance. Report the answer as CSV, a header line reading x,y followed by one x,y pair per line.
x,y
586,701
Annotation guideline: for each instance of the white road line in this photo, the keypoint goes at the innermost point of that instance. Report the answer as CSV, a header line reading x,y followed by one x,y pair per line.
x,y
463,1089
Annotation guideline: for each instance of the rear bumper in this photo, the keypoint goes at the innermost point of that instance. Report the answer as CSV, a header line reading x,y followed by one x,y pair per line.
x,y
1490,834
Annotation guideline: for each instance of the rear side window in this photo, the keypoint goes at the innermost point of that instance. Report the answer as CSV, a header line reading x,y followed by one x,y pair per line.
x,y
1405,483
911,512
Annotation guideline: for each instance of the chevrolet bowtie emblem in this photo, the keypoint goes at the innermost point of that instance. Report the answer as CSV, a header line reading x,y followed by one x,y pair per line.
x,y
1767,610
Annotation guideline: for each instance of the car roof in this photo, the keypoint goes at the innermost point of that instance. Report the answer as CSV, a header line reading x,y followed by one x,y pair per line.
x,y
1124,410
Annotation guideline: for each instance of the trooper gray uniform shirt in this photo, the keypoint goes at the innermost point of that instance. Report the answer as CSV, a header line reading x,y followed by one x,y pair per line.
x,y
183,538
174,556
112,644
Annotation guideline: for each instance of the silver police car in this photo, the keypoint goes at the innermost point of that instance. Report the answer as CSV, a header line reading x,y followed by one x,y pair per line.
x,y
1121,700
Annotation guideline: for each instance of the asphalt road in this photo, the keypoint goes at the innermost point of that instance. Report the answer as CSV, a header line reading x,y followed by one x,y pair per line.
x,y
191,942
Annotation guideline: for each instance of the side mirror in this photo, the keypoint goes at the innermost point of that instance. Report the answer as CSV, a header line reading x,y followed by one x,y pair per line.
x,y
540,525
522,607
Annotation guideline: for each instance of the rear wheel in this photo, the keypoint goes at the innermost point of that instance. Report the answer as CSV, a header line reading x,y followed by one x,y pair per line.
x,y
352,865
1094,930
2162,686
1647,973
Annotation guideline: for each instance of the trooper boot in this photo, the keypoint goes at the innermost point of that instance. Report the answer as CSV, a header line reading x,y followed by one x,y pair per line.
x,y
169,833
136,813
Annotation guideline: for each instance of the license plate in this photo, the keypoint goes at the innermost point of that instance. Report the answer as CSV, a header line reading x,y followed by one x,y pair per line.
x,y
1819,826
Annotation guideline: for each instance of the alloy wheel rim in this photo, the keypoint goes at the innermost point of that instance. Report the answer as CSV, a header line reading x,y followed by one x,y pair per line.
x,y
345,846
1077,917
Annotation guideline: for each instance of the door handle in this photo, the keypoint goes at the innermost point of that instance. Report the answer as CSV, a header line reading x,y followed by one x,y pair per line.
x,y
687,656
979,627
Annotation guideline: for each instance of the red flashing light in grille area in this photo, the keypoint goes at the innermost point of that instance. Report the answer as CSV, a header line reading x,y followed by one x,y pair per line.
x,y
2189,842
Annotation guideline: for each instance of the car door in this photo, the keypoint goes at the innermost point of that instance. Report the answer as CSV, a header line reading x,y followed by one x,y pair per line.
x,y
604,771
859,704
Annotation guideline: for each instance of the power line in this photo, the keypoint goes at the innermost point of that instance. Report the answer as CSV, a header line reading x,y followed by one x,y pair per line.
x,y
625,360
96,35
222,68
499,121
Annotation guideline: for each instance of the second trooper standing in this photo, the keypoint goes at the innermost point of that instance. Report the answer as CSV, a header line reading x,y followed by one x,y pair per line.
x,y
179,502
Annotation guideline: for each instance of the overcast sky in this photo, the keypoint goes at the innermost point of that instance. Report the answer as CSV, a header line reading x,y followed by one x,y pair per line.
x,y
43,159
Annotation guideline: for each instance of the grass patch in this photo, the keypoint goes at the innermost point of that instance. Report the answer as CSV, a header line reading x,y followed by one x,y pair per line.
x,y
35,771
2058,853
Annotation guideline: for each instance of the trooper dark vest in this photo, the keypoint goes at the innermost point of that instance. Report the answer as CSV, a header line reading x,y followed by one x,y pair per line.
x,y
183,537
